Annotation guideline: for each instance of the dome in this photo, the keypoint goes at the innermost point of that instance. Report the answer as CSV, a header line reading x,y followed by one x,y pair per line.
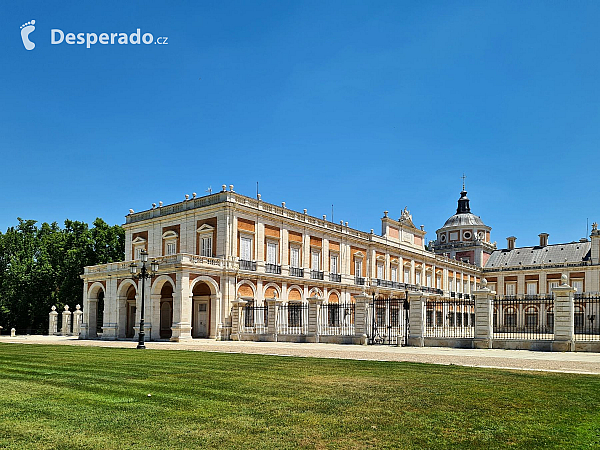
x,y
458,220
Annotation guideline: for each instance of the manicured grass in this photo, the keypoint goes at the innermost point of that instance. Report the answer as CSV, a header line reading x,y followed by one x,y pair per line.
x,y
85,397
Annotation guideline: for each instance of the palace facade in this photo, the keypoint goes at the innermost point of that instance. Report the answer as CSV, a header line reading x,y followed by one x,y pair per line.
x,y
216,250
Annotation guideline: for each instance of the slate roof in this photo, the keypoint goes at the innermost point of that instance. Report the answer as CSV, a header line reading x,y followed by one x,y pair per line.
x,y
551,254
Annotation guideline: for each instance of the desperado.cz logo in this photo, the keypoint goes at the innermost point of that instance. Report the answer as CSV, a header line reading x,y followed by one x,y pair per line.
x,y
58,36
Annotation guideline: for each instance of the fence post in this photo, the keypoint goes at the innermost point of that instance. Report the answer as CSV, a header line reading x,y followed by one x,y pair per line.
x,y
484,316
564,317
416,319
272,307
53,322
361,325
236,319
66,322
77,318
314,313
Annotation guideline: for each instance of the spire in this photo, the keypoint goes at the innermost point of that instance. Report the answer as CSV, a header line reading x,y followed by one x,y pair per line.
x,y
463,178
463,203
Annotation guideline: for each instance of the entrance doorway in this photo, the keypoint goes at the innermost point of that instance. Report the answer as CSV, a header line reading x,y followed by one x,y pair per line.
x,y
201,311
166,311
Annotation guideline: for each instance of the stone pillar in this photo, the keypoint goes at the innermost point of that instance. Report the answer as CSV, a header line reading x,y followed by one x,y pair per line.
x,y
53,322
564,317
484,316
361,318
153,333
236,319
272,310
77,318
314,314
416,319
84,333
66,322
182,309
13,332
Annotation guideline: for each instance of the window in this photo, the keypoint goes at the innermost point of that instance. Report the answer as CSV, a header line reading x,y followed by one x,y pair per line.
x,y
206,249
358,268
315,259
334,264
438,282
394,274
552,285
531,288
138,251
171,248
428,280
245,248
418,277
294,257
271,253
511,289
169,242
407,275
380,271
458,286
577,284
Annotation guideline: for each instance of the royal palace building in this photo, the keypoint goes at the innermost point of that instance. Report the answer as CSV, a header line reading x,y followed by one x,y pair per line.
x,y
223,248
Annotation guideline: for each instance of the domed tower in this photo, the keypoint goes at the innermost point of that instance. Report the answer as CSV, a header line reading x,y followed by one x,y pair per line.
x,y
464,236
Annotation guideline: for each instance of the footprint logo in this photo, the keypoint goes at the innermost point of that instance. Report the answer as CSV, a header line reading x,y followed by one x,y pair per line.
x,y
26,30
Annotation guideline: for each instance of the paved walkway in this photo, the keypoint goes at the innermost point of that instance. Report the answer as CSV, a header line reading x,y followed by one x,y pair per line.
x,y
568,362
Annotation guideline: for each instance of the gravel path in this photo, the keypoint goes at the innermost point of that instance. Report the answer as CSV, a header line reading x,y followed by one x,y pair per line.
x,y
568,362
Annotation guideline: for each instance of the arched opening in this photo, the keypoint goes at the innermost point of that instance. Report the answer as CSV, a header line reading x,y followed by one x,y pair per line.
x,y
201,310
130,312
166,311
99,313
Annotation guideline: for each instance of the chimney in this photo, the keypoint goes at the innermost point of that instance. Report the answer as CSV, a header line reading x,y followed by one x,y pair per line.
x,y
511,242
595,238
543,239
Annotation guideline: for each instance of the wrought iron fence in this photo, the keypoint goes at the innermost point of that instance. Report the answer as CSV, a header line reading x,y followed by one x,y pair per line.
x,y
336,319
523,318
255,319
316,274
247,265
336,277
292,318
296,272
587,317
273,268
452,318
388,318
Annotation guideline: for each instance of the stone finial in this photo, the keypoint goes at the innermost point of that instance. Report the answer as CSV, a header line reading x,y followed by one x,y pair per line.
x,y
66,307
385,213
564,279
160,203
53,308
194,195
231,187
346,223
258,196
130,211
187,196
153,205
483,283
324,216
372,231
283,204
77,307
224,187
305,210
341,222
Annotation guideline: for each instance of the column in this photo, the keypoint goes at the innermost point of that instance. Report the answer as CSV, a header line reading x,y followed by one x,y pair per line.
x,y
564,317
236,319
314,313
484,316
85,331
182,309
416,319
272,306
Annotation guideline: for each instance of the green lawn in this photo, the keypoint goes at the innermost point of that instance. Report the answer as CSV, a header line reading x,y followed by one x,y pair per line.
x,y
76,397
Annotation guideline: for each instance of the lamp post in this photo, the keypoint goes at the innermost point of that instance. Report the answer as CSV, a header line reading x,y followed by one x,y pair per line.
x,y
143,275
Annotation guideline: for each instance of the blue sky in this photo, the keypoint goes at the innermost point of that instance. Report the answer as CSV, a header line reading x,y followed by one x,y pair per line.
x,y
369,106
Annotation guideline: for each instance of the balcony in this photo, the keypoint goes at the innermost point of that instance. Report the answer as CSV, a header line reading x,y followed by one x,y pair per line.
x,y
335,277
296,272
247,265
316,275
273,268
359,280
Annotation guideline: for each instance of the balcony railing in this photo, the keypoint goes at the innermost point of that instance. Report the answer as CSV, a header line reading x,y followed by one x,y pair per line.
x,y
247,265
336,277
296,272
273,268
316,274
359,280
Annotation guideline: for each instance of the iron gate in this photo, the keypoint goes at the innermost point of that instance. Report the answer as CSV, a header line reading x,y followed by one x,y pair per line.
x,y
389,321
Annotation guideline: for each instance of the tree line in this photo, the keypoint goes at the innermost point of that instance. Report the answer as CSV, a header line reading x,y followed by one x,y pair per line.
x,y
41,265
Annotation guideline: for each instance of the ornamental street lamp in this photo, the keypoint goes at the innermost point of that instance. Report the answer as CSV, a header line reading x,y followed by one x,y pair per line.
x,y
143,275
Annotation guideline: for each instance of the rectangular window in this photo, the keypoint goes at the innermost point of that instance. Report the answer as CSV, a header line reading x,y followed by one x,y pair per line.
x,y
428,283
171,248
577,284
271,253
418,277
438,282
334,264
315,258
245,249
458,286
295,257
511,289
380,271
206,249
531,288
358,268
552,285
407,276
394,274
138,252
